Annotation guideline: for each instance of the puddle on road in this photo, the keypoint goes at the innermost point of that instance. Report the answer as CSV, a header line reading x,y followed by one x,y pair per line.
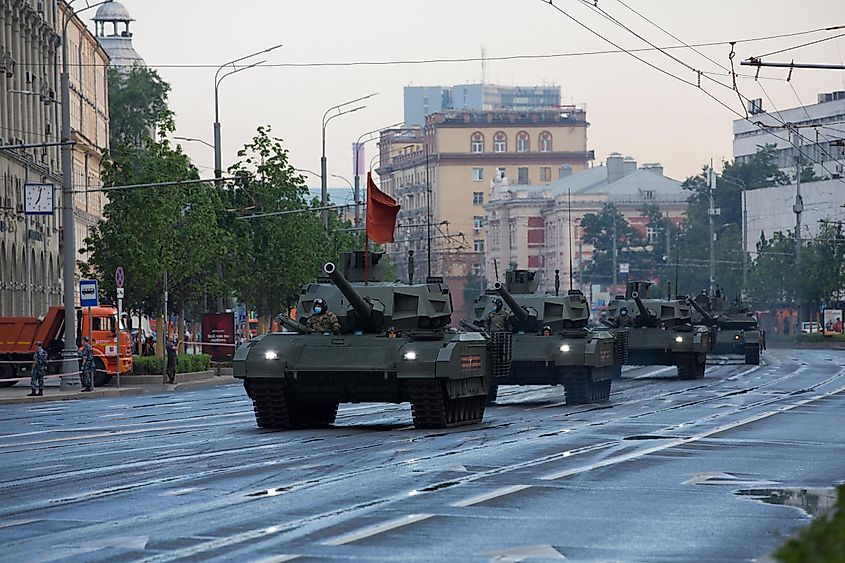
x,y
811,502
269,492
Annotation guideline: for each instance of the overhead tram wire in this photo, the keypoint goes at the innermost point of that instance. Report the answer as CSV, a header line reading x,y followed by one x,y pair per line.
x,y
676,77
823,39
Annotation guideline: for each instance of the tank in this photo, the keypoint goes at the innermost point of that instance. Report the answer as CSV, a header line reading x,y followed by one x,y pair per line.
x,y
659,331
737,331
297,380
574,356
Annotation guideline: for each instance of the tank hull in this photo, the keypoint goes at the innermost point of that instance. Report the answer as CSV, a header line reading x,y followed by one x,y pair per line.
x,y
747,343
446,377
685,349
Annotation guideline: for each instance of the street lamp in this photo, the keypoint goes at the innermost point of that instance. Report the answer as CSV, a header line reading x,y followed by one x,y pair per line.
x,y
193,140
70,366
357,188
326,119
218,165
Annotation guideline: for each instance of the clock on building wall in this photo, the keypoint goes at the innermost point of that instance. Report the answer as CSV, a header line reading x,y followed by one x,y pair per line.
x,y
38,199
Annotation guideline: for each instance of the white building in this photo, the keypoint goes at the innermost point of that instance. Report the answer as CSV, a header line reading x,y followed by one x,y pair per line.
x,y
822,125
770,210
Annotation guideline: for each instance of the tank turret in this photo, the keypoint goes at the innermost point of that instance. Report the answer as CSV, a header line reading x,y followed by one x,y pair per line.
x,y
644,317
519,312
707,318
365,312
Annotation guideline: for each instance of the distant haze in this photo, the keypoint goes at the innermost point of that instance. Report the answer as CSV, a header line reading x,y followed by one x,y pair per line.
x,y
633,109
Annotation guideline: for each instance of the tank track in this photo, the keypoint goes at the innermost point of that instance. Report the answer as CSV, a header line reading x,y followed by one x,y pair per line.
x,y
492,393
752,354
432,407
582,390
689,367
274,409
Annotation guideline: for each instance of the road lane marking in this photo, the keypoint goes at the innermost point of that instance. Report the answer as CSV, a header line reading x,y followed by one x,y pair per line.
x,y
504,491
19,522
376,529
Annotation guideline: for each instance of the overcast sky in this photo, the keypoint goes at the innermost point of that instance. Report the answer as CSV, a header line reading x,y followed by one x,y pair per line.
x,y
633,109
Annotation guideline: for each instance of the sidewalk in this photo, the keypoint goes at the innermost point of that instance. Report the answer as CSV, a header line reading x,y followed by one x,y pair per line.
x,y
17,393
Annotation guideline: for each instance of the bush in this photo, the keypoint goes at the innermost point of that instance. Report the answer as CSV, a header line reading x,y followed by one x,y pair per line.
x,y
822,540
185,363
819,337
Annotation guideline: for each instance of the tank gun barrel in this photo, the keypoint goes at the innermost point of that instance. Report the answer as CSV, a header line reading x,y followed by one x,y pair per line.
x,y
363,309
292,324
469,327
708,318
518,310
640,305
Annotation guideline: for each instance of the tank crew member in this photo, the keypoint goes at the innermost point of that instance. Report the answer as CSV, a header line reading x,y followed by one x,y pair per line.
x,y
547,330
497,320
322,320
391,332
624,320
87,367
39,369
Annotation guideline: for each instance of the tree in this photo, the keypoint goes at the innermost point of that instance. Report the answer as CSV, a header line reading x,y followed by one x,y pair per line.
x,y
137,106
599,230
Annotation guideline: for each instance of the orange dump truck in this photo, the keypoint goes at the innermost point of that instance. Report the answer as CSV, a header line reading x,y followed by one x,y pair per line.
x,y
18,335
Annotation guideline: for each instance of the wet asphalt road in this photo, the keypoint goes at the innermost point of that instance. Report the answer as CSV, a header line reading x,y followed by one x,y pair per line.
x,y
651,476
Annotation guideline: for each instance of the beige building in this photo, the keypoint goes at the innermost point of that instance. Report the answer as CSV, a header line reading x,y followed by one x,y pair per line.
x,y
457,154
530,225
30,59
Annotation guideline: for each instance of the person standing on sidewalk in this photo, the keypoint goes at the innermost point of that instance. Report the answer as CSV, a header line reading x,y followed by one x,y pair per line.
x,y
39,369
171,361
87,355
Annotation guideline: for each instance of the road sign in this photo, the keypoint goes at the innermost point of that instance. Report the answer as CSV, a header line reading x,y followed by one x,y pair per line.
x,y
88,294
120,293
119,278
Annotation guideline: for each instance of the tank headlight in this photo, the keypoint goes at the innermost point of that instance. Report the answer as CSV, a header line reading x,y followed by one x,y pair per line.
x,y
736,337
565,348
270,355
410,356
679,339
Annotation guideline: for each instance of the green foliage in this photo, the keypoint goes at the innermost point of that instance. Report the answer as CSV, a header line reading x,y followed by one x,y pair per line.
x,y
269,258
822,541
185,363
137,106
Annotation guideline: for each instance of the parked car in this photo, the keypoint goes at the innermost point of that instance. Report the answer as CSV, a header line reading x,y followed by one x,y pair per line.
x,y
808,327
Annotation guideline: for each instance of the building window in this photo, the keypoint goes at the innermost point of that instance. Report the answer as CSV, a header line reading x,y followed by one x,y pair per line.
x,y
500,142
652,234
545,173
476,270
648,194
478,198
477,142
500,172
477,222
478,245
545,142
522,142
477,174
522,175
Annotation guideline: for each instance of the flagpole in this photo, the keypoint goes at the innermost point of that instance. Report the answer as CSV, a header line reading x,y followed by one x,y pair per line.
x,y
366,235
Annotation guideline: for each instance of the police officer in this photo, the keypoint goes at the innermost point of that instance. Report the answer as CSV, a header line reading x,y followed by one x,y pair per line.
x,y
170,348
497,320
322,320
87,367
39,369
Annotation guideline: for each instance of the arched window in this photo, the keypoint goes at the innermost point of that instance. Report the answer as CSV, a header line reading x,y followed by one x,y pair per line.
x,y
477,142
522,142
500,142
545,141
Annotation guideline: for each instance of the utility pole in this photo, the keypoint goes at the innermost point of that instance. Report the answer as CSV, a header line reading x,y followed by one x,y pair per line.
x,y
798,208
711,213
614,251
744,243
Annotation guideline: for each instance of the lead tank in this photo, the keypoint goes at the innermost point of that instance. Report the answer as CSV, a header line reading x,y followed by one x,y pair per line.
x,y
660,331
297,380
737,328
580,359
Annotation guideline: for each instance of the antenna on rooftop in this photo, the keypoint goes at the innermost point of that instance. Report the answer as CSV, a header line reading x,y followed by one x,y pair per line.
x,y
483,65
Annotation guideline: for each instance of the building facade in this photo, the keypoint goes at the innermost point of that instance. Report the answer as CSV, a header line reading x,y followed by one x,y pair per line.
x,y
822,126
446,168
424,100
30,263
30,62
538,226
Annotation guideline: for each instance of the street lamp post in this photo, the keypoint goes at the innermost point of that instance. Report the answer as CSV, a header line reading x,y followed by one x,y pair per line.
x,y
357,188
323,174
70,367
218,160
193,140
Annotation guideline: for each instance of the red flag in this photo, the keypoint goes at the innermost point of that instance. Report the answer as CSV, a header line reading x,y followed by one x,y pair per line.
x,y
381,213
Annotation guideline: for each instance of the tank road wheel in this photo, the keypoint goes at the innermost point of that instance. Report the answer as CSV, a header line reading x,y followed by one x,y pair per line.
x,y
101,376
492,394
269,403
752,354
7,371
689,366
432,407
577,389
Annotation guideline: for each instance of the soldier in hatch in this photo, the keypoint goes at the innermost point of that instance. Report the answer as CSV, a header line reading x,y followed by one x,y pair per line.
x,y
322,320
497,320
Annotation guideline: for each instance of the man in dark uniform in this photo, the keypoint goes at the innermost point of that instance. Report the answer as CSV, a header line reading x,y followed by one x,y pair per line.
x,y
322,320
39,369
497,320
87,365
170,348
624,320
